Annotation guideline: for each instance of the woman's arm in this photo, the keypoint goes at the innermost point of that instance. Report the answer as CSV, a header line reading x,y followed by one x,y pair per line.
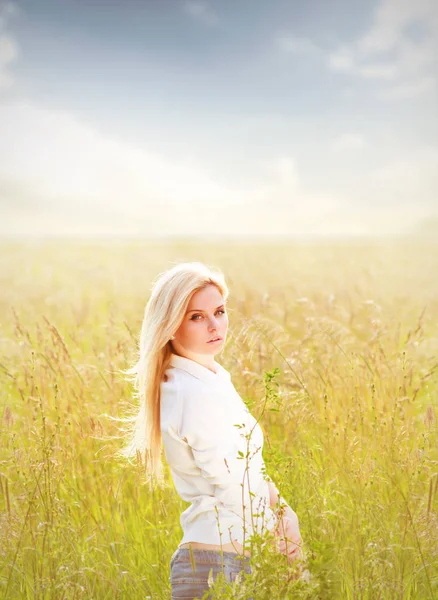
x,y
287,529
276,500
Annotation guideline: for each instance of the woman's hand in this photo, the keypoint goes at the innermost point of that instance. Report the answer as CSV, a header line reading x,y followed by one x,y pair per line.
x,y
288,539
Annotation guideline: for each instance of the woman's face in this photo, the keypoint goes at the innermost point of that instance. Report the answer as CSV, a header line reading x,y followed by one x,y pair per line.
x,y
205,319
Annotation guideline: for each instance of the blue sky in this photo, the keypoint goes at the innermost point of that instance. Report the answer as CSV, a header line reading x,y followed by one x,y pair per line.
x,y
189,117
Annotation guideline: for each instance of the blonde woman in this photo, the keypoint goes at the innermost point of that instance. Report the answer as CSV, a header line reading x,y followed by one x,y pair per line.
x,y
212,443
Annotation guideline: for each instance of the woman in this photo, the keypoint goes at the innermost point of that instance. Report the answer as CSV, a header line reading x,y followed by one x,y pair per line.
x,y
212,443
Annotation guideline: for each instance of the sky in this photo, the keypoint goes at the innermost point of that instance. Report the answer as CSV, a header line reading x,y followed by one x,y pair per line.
x,y
208,118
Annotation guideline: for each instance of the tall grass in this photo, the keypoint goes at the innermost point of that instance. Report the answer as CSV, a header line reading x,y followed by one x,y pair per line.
x,y
339,342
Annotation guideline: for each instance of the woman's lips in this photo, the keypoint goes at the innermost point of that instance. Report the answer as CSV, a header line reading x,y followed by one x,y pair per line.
x,y
214,341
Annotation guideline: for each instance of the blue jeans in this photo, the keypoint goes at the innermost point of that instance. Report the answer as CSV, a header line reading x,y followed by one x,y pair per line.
x,y
190,584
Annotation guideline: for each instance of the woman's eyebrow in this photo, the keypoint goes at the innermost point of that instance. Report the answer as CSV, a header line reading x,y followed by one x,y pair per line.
x,y
200,310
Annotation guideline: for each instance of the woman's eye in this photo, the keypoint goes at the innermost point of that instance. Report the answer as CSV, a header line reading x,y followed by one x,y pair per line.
x,y
195,319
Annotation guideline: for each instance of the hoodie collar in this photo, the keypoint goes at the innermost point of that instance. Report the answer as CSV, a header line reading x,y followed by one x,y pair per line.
x,y
198,370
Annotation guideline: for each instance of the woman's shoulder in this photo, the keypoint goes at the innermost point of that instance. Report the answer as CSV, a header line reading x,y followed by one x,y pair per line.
x,y
179,382
195,404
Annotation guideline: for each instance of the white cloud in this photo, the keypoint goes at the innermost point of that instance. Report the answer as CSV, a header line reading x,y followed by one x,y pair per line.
x,y
8,53
9,49
342,59
386,51
408,179
55,167
63,157
391,18
348,141
59,174
297,45
283,171
7,10
411,89
201,11
383,71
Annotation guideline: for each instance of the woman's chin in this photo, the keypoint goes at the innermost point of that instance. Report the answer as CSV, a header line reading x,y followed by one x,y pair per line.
x,y
215,348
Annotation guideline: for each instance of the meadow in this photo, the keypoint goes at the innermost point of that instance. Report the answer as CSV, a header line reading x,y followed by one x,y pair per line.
x,y
334,345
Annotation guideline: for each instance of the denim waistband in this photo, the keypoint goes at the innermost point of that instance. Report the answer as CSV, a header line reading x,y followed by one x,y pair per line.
x,y
211,555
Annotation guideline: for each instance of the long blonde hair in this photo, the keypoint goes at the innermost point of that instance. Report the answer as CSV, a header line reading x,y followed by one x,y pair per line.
x,y
165,310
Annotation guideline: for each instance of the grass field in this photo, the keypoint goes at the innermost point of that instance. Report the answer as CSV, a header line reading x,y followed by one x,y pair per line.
x,y
352,329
